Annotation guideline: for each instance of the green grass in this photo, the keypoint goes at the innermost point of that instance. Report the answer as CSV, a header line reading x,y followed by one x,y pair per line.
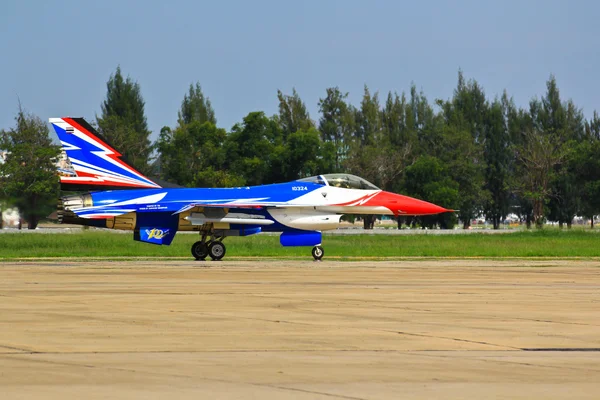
x,y
99,244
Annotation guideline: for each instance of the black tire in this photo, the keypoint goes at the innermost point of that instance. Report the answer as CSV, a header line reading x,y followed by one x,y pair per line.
x,y
216,250
318,253
200,250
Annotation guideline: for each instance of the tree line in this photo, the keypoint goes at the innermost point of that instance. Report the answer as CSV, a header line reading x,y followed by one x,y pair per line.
x,y
479,155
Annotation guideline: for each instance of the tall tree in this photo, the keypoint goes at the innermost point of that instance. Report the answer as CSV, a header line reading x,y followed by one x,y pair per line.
x,y
28,177
393,118
361,149
468,107
565,123
519,122
293,115
585,166
497,162
537,158
463,159
337,123
585,161
377,151
368,120
195,107
123,121
421,120
461,145
592,127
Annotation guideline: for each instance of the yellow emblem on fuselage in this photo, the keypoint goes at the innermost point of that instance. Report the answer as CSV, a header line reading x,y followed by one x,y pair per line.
x,y
156,233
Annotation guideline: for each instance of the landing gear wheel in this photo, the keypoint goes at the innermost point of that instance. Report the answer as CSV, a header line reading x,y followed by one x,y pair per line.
x,y
216,250
317,253
200,250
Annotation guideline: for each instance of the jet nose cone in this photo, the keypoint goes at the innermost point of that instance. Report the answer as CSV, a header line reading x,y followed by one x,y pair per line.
x,y
404,205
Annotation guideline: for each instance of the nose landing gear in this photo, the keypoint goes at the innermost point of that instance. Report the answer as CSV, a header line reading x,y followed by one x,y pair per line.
x,y
318,253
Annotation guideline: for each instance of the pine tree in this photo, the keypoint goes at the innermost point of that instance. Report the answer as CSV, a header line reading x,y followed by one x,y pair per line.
x,y
461,145
293,115
123,122
497,162
337,123
196,107
564,123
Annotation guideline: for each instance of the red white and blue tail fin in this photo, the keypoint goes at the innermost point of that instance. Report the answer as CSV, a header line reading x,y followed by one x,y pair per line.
x,y
97,164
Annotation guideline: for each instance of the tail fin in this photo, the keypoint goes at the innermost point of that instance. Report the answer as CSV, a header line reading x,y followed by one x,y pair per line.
x,y
97,164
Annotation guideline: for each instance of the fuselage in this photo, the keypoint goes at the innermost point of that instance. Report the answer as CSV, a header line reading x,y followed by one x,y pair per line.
x,y
292,205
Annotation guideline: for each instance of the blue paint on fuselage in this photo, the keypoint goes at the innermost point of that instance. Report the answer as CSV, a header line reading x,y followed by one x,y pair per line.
x,y
175,200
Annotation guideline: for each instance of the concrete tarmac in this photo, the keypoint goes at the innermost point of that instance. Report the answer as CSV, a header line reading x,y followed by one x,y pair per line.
x,y
450,329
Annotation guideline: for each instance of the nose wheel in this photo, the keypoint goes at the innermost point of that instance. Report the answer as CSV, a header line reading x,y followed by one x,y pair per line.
x,y
318,253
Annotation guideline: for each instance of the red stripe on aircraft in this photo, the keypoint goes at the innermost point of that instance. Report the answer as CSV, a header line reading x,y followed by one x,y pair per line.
x,y
115,156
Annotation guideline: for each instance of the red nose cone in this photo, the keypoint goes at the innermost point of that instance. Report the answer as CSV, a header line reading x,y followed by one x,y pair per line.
x,y
404,205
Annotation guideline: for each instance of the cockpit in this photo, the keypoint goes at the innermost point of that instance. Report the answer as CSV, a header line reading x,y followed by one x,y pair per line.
x,y
346,181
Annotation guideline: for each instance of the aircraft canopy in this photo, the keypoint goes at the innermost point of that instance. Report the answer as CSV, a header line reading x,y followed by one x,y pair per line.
x,y
346,181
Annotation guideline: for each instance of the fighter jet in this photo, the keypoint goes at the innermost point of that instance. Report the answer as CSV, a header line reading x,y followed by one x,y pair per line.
x,y
117,196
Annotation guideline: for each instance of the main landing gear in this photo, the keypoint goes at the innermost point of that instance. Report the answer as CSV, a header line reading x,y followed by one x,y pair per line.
x,y
213,248
318,253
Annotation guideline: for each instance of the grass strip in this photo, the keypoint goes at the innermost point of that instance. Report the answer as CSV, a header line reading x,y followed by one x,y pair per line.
x,y
520,244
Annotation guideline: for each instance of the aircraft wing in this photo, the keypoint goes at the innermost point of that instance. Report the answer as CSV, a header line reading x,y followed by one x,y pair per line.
x,y
191,206
234,211
243,205
139,205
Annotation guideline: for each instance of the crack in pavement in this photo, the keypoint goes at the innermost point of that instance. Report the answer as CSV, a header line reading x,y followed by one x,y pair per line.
x,y
135,371
20,350
495,360
455,339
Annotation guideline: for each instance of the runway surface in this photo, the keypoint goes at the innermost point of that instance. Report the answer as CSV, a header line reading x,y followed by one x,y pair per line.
x,y
449,329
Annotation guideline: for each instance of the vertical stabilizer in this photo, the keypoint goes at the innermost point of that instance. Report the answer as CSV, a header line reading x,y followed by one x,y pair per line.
x,y
96,163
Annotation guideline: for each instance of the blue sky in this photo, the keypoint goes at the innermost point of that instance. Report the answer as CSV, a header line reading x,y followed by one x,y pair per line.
x,y
58,55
